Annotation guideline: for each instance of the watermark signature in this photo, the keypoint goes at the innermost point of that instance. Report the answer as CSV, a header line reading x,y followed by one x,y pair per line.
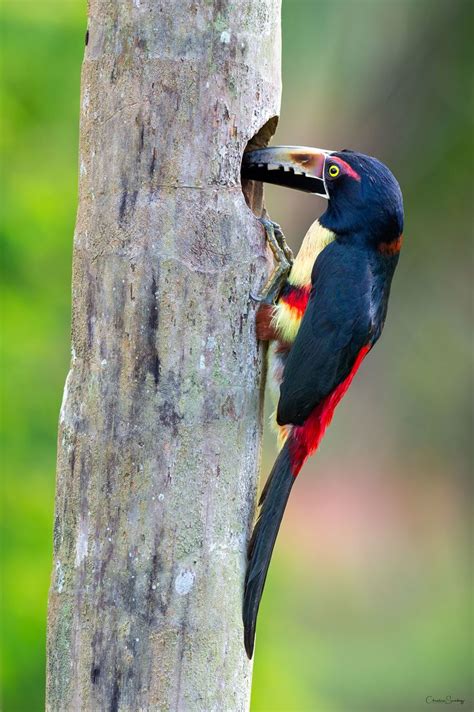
x,y
448,700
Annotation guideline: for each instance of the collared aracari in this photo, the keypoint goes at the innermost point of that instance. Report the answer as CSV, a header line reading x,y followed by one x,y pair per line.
x,y
320,313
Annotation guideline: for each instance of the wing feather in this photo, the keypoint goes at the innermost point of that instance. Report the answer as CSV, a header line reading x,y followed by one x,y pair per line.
x,y
335,327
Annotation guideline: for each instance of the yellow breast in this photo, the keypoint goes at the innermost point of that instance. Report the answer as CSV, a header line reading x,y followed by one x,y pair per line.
x,y
287,319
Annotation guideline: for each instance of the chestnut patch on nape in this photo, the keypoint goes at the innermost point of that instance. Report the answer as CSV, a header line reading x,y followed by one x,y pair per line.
x,y
390,248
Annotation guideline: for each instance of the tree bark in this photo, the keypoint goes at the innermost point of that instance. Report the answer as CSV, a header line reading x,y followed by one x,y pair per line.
x,y
160,426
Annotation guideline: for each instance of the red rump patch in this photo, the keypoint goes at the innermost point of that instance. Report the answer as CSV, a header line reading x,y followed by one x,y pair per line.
x,y
296,298
305,438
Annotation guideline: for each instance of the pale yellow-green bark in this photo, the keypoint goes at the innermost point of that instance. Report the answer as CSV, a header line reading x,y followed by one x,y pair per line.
x,y
160,426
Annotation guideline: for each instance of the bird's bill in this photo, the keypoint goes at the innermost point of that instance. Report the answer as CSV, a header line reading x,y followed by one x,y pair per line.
x,y
297,167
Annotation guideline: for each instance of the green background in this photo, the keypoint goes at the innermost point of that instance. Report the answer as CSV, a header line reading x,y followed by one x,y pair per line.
x,y
366,606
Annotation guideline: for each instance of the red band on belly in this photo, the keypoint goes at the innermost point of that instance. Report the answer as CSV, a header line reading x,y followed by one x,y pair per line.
x,y
296,298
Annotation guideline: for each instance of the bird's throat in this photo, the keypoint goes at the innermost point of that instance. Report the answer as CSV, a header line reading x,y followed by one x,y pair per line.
x,y
292,303
314,242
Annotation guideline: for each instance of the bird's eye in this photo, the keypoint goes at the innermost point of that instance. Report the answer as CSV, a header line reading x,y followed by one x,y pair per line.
x,y
334,171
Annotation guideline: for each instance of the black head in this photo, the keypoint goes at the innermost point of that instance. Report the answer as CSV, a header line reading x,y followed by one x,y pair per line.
x,y
365,200
364,197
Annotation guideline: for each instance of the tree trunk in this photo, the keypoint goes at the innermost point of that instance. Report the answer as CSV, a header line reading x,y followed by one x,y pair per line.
x,y
160,425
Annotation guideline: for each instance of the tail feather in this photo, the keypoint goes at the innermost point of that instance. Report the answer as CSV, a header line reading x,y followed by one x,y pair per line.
x,y
273,502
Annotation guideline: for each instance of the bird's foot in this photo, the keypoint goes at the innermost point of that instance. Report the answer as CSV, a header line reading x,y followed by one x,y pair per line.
x,y
283,258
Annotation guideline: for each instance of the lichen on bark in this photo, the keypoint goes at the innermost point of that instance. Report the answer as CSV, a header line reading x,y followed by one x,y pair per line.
x,y
160,425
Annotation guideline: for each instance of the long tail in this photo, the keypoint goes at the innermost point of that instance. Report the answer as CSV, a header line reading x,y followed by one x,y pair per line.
x,y
272,502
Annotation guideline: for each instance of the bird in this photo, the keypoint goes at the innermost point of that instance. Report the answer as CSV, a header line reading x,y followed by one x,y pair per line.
x,y
321,314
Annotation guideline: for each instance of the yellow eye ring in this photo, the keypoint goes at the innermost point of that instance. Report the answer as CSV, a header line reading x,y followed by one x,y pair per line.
x,y
334,171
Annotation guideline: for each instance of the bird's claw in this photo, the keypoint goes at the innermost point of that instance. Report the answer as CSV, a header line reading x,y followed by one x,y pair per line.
x,y
255,298
284,261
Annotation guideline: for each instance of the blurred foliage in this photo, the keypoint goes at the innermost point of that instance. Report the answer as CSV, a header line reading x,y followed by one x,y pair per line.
x,y
366,604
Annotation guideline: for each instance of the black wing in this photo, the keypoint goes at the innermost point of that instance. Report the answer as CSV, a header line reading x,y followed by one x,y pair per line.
x,y
335,327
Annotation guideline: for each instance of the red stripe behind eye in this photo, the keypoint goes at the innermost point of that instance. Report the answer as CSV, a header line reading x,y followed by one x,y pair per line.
x,y
348,170
305,438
